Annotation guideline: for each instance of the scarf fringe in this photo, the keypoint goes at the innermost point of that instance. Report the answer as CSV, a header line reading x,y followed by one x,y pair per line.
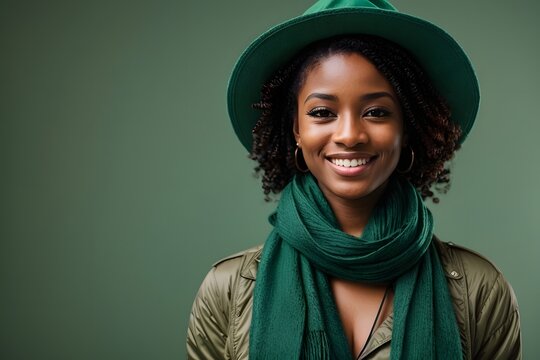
x,y
316,346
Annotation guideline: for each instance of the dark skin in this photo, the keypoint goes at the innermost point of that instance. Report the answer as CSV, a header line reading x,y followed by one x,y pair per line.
x,y
350,128
357,304
434,137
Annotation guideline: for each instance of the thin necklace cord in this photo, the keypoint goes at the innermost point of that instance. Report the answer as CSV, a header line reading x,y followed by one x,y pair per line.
x,y
374,322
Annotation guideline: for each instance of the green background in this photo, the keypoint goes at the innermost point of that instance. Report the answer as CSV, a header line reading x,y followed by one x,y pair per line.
x,y
121,180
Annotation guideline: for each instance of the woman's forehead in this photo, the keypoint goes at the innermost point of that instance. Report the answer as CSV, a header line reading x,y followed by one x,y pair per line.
x,y
342,72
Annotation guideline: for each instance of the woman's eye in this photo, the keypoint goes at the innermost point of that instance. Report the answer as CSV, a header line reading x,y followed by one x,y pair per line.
x,y
320,113
377,112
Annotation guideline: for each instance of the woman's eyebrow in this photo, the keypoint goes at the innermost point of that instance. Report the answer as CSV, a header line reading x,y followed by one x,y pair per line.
x,y
365,97
321,96
377,95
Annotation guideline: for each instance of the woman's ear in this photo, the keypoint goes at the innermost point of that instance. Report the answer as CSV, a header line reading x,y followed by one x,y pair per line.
x,y
295,130
405,142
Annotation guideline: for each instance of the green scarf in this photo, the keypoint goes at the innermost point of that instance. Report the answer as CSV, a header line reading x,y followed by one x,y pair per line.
x,y
294,314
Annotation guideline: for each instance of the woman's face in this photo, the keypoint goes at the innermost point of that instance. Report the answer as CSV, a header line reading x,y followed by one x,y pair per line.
x,y
349,126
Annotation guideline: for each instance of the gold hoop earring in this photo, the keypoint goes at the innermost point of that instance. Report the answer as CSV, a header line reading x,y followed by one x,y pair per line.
x,y
296,160
410,165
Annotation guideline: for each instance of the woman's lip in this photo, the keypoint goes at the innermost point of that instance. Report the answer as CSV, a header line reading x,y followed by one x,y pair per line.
x,y
351,171
349,156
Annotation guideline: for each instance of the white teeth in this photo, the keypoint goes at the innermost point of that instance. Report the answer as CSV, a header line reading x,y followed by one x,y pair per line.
x,y
350,163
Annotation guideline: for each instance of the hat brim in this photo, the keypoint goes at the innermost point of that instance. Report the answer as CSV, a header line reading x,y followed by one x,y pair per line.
x,y
437,52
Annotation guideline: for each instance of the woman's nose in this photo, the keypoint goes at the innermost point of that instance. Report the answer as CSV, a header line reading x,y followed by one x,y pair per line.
x,y
350,131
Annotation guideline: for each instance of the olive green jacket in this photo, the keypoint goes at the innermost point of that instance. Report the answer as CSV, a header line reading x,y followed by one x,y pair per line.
x,y
485,306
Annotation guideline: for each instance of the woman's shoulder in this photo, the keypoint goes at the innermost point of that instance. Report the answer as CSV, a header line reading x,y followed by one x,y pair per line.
x,y
223,295
458,260
485,303
482,278
243,263
224,274
217,287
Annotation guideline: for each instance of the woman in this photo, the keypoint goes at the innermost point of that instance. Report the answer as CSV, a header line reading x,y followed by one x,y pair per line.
x,y
360,108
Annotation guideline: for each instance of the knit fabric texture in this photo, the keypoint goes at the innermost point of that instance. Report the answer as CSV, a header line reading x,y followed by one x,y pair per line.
x,y
294,313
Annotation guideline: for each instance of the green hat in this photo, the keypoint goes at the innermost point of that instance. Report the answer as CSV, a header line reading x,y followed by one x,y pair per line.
x,y
437,52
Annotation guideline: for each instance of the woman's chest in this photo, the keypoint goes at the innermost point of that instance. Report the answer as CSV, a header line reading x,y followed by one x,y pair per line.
x,y
362,309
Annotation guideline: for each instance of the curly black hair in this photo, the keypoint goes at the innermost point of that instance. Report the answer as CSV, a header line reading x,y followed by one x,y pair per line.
x,y
432,136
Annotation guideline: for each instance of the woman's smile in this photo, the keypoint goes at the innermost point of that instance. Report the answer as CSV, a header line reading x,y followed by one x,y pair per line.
x,y
349,126
350,164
